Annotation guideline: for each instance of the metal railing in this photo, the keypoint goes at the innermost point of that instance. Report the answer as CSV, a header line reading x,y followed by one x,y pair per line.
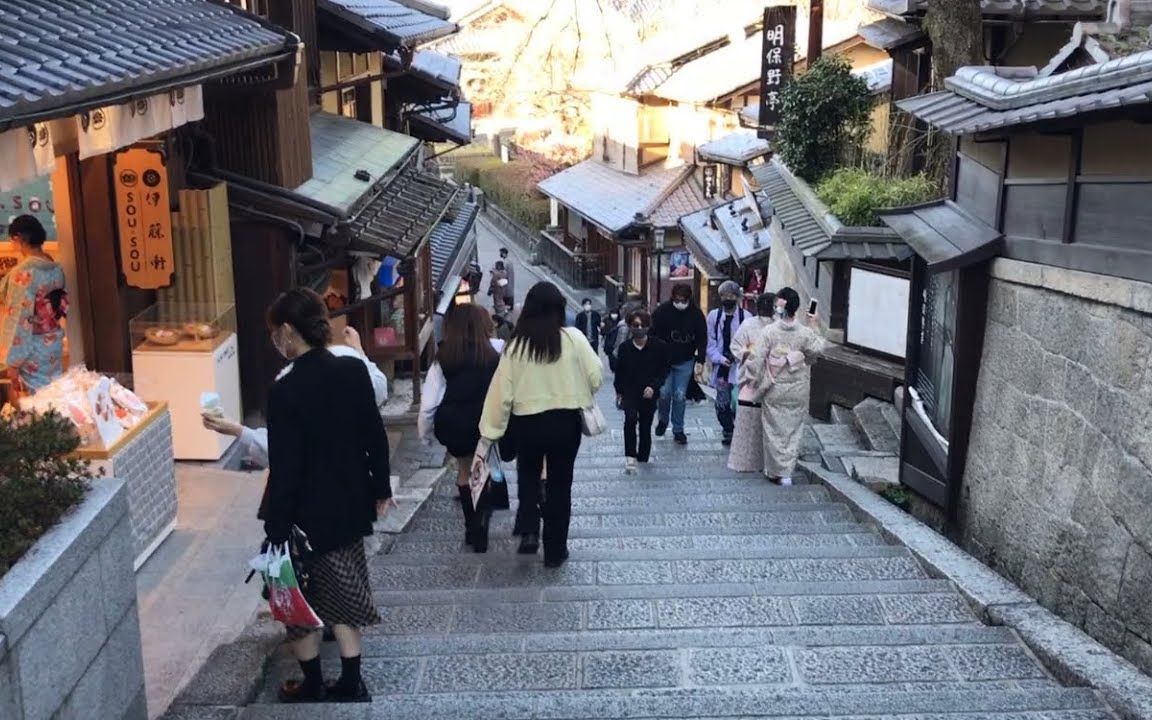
x,y
578,269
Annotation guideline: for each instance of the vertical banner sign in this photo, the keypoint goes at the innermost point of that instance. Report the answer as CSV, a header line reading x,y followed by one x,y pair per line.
x,y
709,182
145,218
777,51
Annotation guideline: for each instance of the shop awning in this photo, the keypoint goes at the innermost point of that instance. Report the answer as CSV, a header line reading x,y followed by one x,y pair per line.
x,y
737,148
59,59
382,24
445,125
396,221
944,235
812,228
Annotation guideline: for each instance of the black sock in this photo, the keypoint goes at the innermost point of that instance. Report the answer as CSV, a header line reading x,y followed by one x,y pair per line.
x,y
313,674
350,673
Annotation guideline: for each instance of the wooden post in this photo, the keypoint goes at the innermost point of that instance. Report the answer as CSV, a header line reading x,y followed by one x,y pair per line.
x,y
815,31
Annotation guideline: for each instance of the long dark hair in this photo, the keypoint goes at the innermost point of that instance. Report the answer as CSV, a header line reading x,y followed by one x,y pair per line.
x,y
467,329
305,311
538,331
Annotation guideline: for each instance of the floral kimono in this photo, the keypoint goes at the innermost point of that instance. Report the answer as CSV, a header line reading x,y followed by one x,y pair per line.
x,y
31,335
747,451
780,373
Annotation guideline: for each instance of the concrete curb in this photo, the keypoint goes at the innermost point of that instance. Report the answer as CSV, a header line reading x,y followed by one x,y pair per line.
x,y
1072,656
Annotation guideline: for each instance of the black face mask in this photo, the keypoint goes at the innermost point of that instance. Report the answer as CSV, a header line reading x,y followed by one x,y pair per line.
x,y
728,304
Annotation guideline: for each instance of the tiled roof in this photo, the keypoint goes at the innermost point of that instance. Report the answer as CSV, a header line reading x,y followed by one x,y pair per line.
x,y
944,235
56,55
611,198
889,33
742,223
435,9
341,147
391,22
397,220
1071,9
446,125
442,71
705,238
813,230
687,197
980,99
737,148
448,241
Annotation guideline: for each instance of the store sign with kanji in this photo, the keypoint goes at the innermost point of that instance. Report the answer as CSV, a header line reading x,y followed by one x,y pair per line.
x,y
145,218
777,55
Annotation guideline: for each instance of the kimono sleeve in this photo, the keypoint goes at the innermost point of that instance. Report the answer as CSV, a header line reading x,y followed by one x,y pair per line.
x,y
15,333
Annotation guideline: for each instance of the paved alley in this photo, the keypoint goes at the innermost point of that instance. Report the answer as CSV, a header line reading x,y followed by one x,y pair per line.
x,y
691,593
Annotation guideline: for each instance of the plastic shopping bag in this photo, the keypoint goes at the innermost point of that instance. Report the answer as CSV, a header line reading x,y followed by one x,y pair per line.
x,y
285,597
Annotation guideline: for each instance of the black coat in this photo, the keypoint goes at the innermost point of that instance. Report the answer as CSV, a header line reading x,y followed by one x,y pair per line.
x,y
588,322
327,450
685,331
637,369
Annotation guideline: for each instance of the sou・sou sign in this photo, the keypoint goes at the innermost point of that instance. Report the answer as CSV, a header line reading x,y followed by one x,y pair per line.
x,y
145,218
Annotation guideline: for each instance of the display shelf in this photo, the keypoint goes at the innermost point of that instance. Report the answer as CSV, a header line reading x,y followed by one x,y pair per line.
x,y
155,410
182,327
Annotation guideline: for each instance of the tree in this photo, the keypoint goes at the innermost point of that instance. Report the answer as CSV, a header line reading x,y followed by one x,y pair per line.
x,y
825,112
956,29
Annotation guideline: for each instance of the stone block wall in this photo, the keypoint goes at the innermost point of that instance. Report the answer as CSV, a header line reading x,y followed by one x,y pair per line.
x,y
1058,488
146,468
69,629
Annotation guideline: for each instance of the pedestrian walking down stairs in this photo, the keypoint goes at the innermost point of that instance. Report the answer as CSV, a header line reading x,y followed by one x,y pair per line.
x,y
691,592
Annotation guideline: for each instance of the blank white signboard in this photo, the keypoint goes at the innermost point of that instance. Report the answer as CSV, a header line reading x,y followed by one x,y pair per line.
x,y
878,312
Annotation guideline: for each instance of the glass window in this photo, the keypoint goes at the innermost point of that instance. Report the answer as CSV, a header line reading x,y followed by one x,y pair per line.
x,y
937,349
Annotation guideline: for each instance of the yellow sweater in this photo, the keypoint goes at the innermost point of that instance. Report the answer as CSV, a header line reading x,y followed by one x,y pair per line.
x,y
524,387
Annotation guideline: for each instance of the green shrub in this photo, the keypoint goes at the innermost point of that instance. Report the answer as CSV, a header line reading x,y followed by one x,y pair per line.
x,y
825,112
511,186
855,195
39,482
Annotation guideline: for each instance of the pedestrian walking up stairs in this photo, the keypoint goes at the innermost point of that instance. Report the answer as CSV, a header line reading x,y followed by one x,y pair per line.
x,y
691,592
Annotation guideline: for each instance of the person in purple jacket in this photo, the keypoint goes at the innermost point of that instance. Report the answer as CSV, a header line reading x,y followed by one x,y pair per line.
x,y
723,322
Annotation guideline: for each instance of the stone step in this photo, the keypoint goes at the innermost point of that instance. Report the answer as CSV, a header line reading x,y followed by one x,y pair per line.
x,y
892,417
834,459
468,617
605,485
487,596
745,533
841,415
662,503
973,702
530,572
837,437
639,554
875,472
436,545
874,427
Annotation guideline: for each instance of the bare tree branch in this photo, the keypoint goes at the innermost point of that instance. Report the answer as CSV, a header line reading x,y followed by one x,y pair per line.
x,y
527,42
607,35
579,36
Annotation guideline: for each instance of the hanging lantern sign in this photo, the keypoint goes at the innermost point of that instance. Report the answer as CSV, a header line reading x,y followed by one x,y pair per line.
x,y
140,178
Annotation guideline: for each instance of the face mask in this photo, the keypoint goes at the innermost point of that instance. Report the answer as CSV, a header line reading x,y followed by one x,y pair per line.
x,y
639,332
615,316
779,311
728,304
680,305
587,306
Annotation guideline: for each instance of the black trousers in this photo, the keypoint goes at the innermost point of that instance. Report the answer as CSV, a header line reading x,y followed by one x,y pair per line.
x,y
638,416
552,437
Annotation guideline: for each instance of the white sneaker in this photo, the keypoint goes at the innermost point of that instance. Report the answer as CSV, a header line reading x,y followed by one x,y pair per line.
x,y
786,481
630,466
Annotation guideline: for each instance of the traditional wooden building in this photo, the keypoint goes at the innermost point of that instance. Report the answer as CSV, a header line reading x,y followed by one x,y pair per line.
x,y
1030,326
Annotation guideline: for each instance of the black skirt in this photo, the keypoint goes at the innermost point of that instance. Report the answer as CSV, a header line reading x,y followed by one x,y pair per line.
x,y
457,427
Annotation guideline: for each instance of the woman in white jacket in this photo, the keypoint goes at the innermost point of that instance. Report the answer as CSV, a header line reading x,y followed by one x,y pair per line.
x,y
254,441
747,451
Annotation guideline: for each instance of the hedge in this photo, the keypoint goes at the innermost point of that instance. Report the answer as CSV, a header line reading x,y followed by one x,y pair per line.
x,y
854,195
510,185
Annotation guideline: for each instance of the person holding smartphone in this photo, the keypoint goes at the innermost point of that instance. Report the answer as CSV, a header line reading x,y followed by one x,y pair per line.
x,y
779,372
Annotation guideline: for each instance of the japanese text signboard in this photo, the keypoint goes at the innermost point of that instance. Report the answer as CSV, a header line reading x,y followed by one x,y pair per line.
x,y
777,52
145,218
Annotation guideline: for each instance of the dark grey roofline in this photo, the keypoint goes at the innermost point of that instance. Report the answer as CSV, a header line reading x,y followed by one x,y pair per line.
x,y
890,33
916,8
391,40
960,241
438,129
124,92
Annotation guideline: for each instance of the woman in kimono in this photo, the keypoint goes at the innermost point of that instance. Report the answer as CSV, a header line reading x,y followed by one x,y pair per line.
x,y
779,368
747,452
33,310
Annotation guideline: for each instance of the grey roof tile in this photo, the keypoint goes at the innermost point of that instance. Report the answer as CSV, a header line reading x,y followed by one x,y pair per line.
x,y
611,198
56,54
391,21
397,220
446,242
705,237
687,197
1071,9
736,148
888,33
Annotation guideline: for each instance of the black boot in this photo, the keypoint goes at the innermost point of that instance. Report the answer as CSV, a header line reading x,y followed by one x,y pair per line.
x,y
465,499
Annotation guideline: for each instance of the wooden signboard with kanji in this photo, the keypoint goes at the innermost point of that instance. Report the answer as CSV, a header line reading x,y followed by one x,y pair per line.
x,y
144,218
777,51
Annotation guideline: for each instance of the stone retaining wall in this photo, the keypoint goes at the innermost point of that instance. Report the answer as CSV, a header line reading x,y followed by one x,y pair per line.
x,y
1058,490
69,629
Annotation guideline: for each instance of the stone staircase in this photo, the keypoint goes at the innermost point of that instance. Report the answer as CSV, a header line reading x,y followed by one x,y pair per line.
x,y
692,592
863,443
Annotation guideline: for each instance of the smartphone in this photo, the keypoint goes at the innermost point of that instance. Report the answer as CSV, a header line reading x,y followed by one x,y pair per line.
x,y
812,307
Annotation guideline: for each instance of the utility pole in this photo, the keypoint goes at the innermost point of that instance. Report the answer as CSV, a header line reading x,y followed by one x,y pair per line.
x,y
815,31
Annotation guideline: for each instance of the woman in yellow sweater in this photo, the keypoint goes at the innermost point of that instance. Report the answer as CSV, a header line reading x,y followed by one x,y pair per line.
x,y
547,375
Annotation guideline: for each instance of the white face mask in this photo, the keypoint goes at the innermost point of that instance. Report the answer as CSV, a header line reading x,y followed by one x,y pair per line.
x,y
680,305
587,306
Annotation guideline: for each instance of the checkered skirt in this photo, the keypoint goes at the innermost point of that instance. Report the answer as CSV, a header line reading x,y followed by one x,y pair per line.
x,y
338,590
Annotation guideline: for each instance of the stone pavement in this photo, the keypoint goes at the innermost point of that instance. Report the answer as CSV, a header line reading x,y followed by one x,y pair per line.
x,y
692,592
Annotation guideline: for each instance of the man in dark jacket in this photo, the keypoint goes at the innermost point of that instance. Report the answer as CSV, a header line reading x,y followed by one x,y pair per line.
x,y
681,325
588,322
641,370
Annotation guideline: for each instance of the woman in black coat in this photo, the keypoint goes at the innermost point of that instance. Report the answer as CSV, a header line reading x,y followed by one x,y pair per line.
x,y
642,366
329,476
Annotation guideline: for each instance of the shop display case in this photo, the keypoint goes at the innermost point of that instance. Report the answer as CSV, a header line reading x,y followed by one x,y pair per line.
x,y
179,352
